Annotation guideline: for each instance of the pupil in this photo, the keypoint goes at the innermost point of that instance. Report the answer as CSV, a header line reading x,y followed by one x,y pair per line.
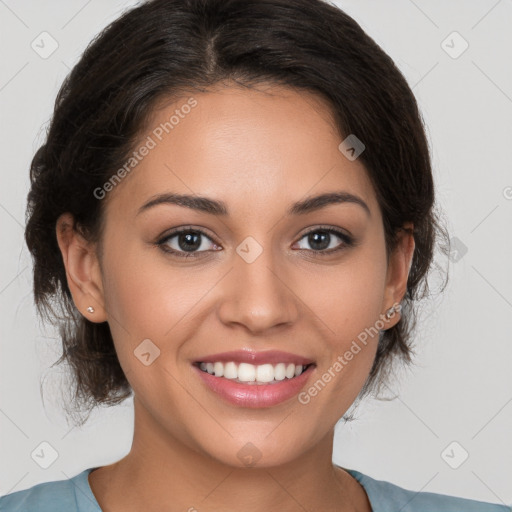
x,y
314,240
189,241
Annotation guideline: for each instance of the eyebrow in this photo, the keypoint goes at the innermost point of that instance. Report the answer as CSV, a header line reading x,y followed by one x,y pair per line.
x,y
214,207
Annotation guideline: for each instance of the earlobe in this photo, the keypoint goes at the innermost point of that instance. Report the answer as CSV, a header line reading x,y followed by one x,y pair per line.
x,y
82,269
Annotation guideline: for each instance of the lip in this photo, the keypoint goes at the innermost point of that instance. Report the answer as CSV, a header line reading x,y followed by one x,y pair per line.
x,y
256,358
255,395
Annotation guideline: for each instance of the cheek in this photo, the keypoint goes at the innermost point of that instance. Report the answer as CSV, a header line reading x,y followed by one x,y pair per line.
x,y
348,303
146,295
348,297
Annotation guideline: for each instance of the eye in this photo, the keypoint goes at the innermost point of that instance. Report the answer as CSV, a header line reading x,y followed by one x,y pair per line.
x,y
186,242
322,240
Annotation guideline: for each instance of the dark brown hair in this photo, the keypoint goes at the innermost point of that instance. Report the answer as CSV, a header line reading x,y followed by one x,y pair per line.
x,y
164,47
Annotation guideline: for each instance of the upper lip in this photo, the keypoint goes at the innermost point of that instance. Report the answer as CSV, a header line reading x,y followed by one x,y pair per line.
x,y
256,358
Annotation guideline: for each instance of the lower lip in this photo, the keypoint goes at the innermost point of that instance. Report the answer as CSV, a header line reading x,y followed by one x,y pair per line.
x,y
255,395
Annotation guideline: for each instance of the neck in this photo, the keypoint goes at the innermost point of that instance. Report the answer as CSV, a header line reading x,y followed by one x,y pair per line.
x,y
162,469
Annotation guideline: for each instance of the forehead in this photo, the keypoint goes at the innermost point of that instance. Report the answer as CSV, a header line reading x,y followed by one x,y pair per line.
x,y
251,147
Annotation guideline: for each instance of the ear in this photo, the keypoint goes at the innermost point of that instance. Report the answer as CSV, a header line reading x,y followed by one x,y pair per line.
x,y
397,275
83,271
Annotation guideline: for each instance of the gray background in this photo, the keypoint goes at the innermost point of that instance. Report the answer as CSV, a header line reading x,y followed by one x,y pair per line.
x,y
461,388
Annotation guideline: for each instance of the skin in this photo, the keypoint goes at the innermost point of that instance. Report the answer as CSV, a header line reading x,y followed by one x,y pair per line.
x,y
259,151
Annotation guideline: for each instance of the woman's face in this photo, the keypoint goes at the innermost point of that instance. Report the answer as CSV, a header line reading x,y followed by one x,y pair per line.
x,y
262,275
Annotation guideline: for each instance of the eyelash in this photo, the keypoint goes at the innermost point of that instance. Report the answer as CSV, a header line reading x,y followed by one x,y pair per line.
x,y
347,241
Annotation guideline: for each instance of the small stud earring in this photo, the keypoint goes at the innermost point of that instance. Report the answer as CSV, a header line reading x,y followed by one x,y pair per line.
x,y
90,309
390,313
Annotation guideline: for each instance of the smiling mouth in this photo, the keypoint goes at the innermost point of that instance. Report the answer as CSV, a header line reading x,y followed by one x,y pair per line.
x,y
246,373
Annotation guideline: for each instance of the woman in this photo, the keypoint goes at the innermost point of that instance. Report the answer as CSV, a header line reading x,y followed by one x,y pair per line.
x,y
234,208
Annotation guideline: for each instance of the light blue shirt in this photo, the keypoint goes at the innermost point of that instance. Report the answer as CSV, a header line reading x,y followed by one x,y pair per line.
x,y
75,495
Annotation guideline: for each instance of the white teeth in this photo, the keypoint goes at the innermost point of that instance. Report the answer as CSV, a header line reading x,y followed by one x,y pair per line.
x,y
230,371
218,369
280,371
246,372
265,373
290,371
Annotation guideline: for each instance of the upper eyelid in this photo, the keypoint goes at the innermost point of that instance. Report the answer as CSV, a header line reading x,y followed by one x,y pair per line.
x,y
185,229
309,230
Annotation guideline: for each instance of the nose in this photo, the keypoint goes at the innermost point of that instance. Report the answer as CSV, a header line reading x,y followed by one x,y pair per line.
x,y
258,295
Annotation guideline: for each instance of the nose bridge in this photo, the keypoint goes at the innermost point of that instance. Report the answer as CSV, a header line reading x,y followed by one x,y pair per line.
x,y
257,296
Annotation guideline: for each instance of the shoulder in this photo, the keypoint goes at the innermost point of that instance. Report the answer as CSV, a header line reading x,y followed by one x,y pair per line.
x,y
45,497
387,497
56,496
